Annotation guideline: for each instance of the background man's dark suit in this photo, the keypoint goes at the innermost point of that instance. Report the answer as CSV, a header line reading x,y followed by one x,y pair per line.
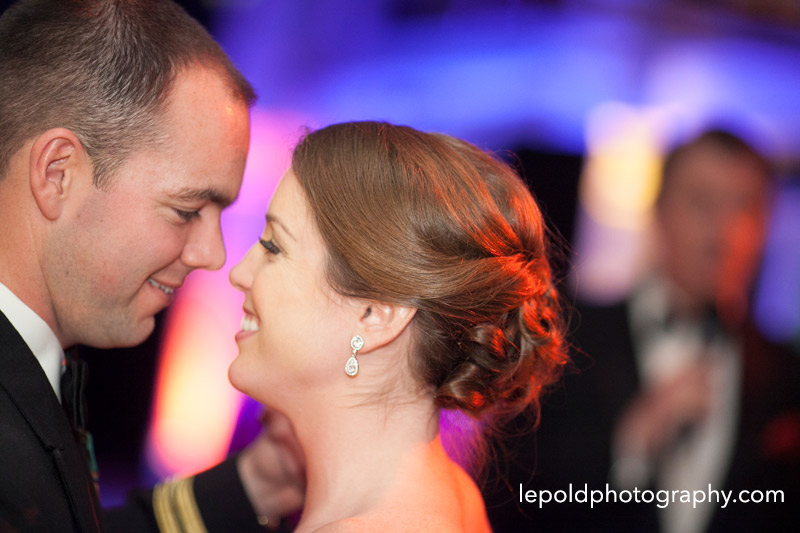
x,y
574,442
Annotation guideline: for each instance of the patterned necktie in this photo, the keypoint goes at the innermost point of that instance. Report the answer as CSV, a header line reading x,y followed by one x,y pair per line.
x,y
73,385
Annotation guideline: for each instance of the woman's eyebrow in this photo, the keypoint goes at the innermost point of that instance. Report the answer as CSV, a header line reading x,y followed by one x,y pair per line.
x,y
277,221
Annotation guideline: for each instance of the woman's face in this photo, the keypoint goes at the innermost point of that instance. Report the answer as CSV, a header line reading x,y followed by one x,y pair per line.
x,y
296,330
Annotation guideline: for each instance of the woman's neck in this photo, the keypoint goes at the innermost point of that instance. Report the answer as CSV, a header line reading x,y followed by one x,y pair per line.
x,y
354,453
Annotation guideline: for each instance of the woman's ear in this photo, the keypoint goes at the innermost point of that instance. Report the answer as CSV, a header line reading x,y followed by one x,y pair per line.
x,y
381,323
57,158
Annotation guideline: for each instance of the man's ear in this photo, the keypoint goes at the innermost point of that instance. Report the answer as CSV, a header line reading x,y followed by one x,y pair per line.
x,y
57,159
381,323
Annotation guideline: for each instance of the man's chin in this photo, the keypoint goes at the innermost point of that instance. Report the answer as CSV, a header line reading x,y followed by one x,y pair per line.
x,y
121,336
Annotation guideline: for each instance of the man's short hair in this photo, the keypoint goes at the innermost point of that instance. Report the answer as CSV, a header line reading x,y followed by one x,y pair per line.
x,y
716,139
101,68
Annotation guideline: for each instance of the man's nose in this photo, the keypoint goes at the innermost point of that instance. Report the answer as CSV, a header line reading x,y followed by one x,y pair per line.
x,y
205,248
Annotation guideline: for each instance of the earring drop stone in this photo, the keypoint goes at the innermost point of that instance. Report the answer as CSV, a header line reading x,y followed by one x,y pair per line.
x,y
351,366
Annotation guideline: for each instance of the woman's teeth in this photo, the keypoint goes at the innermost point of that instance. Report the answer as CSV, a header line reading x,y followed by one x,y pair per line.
x,y
249,324
157,285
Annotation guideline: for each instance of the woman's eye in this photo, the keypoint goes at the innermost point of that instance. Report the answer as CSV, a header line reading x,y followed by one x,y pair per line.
x,y
269,246
187,216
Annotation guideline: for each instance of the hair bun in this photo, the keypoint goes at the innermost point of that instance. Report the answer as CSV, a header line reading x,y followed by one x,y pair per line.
x,y
502,368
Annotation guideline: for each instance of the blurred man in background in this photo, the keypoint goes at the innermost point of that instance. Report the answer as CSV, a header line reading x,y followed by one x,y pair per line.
x,y
678,390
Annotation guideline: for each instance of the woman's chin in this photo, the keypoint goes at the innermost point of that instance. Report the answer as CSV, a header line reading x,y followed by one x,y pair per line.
x,y
237,375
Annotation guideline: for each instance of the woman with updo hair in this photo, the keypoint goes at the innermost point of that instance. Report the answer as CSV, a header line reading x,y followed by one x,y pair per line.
x,y
400,274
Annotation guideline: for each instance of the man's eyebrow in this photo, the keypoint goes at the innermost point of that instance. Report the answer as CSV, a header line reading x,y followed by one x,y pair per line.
x,y
207,195
277,221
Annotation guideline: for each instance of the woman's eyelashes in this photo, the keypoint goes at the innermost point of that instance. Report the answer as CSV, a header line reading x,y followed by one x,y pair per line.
x,y
269,246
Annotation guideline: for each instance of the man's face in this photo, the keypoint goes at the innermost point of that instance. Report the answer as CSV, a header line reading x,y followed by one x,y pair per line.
x,y
712,219
114,259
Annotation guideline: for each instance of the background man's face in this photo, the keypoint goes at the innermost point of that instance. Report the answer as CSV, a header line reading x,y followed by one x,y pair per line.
x,y
113,262
712,219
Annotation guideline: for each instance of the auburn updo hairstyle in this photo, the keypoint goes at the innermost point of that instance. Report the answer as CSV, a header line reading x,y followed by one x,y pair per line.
x,y
430,221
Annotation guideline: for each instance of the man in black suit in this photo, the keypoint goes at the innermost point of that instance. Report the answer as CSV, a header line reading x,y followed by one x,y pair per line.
x,y
124,131
677,389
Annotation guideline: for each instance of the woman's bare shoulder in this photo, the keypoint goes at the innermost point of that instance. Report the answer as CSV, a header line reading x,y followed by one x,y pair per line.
x,y
437,497
426,508
409,523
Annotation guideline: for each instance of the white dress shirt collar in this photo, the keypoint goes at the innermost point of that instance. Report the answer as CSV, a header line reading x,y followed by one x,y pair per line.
x,y
37,335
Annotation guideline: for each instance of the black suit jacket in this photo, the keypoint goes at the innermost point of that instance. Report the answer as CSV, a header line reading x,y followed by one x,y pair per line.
x,y
45,483
573,444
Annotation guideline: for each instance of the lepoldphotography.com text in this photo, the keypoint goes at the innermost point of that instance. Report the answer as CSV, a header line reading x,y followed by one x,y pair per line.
x,y
661,498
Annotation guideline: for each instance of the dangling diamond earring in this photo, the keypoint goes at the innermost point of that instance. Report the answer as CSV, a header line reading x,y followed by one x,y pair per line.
x,y
351,366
